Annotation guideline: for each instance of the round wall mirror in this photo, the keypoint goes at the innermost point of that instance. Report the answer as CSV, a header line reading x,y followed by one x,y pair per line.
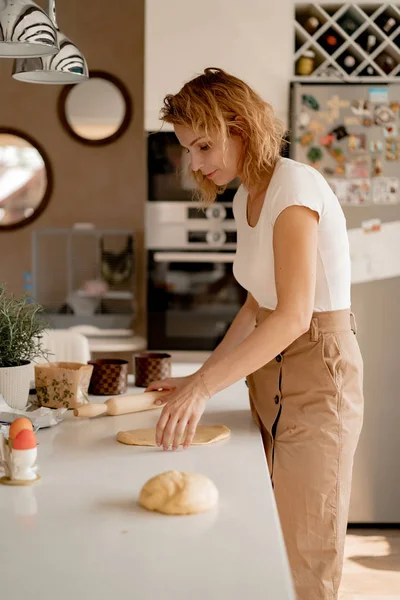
x,y
25,179
96,111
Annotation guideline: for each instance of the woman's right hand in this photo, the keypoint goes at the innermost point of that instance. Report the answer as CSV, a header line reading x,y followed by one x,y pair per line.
x,y
170,383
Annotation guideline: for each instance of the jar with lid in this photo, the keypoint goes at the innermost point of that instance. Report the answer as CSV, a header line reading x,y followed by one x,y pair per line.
x,y
306,63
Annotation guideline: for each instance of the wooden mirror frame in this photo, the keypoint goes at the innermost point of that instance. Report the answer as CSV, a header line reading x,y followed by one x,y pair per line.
x,y
49,173
62,99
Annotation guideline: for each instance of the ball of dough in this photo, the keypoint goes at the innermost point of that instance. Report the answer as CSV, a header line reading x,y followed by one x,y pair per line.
x,y
177,493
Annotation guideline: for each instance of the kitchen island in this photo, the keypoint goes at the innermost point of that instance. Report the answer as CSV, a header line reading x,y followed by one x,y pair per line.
x,y
80,534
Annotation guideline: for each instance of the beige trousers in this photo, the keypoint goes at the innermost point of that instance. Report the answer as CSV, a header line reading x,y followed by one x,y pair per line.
x,y
308,403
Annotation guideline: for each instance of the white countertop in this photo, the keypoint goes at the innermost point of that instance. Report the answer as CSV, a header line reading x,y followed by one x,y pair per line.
x,y
80,534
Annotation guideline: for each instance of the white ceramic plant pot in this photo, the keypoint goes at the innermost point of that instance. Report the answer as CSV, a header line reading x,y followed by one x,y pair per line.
x,y
14,385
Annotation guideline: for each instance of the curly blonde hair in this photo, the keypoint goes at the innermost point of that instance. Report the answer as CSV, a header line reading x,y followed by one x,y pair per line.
x,y
217,103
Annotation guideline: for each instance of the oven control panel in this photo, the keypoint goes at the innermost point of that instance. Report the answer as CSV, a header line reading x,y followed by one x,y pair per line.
x,y
217,237
188,225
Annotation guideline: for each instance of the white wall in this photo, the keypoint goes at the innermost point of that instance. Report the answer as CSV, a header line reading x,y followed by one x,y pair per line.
x,y
252,39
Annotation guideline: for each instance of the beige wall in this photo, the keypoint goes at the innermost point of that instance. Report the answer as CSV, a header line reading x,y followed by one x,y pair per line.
x,y
104,185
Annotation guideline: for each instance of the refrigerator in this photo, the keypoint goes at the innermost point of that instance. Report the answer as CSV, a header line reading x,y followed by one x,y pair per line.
x,y
351,134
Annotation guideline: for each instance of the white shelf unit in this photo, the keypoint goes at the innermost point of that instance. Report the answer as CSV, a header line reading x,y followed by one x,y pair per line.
x,y
369,20
63,259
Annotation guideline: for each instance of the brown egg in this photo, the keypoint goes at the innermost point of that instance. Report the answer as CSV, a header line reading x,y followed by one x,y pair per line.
x,y
24,440
19,425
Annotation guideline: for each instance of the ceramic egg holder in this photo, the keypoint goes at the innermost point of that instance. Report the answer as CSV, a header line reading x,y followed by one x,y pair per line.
x,y
18,459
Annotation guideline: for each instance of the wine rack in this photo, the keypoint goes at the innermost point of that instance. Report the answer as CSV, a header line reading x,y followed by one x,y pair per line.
x,y
347,42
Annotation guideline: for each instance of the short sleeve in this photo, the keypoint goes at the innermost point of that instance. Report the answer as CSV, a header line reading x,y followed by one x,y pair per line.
x,y
296,187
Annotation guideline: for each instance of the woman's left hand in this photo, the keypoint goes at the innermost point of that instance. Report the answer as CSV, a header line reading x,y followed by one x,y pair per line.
x,y
183,409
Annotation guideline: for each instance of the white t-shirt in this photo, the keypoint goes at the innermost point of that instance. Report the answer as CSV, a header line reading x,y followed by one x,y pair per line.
x,y
293,183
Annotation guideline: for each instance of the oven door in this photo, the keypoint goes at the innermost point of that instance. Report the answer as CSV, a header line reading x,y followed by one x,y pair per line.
x,y
193,298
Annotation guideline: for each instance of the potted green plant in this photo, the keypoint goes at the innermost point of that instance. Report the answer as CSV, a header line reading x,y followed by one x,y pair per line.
x,y
21,329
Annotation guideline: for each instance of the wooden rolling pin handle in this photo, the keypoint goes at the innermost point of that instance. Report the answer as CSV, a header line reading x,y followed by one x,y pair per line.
x,y
121,405
91,410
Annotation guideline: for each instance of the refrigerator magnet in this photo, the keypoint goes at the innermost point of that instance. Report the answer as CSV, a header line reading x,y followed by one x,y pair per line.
x,y
383,115
303,119
310,101
375,146
328,116
327,140
357,168
367,122
358,191
385,190
378,95
336,103
360,108
352,121
328,171
390,130
392,148
357,142
377,167
339,188
395,106
340,132
314,155
337,154
307,138
340,170
316,127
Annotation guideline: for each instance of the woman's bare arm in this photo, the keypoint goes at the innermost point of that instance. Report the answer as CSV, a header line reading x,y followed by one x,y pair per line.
x,y
295,252
241,327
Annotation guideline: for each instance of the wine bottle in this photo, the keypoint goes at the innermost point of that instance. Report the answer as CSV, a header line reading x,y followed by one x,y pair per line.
x,y
368,71
348,62
371,43
312,24
385,62
367,41
386,23
349,25
330,41
389,25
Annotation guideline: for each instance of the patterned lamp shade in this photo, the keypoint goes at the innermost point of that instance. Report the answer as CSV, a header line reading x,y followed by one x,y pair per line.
x,y
68,66
25,30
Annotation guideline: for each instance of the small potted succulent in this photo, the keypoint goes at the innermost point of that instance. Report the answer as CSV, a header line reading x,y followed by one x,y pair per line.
x,y
21,329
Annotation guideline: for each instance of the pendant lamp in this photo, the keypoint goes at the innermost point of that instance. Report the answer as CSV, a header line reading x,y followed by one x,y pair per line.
x,y
25,30
66,67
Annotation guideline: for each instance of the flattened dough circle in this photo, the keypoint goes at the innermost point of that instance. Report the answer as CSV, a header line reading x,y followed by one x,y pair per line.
x,y
205,434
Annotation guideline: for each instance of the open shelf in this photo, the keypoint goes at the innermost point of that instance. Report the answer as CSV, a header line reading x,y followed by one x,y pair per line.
x,y
347,42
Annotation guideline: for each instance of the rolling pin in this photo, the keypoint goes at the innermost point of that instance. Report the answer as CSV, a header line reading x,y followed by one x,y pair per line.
x,y
121,405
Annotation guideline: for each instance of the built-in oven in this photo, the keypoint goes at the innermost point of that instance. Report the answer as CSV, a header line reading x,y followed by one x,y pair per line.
x,y
192,295
169,178
193,298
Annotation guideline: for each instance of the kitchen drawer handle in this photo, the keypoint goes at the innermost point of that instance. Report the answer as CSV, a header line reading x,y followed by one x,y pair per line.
x,y
212,257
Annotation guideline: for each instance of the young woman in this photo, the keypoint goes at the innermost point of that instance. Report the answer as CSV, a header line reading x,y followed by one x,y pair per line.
x,y
294,338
